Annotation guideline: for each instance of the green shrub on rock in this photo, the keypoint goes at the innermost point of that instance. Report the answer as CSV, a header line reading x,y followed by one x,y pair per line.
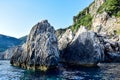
x,y
112,7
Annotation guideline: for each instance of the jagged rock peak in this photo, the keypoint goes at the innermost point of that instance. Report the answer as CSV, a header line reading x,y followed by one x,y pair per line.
x,y
41,49
40,27
44,21
44,24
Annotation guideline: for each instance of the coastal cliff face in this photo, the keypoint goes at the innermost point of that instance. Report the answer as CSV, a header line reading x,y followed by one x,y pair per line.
x,y
101,16
106,20
41,49
93,38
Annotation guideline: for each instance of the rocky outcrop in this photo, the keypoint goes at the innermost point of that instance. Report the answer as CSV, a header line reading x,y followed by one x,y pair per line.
x,y
111,51
93,8
104,22
112,57
99,21
85,50
80,30
69,37
7,54
65,40
98,3
41,49
111,48
59,33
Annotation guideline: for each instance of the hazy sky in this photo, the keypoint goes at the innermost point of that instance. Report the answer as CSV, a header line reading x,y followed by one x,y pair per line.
x,y
17,17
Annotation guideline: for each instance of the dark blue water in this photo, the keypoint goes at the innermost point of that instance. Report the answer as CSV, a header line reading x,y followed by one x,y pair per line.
x,y
109,71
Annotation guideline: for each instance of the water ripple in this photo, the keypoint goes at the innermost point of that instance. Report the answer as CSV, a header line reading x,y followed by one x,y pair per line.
x,y
105,71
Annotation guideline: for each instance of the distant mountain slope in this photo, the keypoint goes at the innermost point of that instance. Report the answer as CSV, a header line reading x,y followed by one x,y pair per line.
x,y
23,39
8,42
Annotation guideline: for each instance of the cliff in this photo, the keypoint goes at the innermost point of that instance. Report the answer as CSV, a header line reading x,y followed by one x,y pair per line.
x,y
93,38
101,16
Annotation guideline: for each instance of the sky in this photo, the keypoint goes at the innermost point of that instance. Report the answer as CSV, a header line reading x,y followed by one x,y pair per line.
x,y
17,17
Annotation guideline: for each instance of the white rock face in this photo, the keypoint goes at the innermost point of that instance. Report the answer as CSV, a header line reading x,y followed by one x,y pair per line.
x,y
104,24
41,49
94,7
98,3
81,30
65,39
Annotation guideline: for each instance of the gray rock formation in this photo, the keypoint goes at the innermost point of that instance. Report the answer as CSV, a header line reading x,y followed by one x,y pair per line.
x,y
98,3
85,50
65,40
103,22
80,30
7,54
59,33
93,8
112,57
41,49
112,51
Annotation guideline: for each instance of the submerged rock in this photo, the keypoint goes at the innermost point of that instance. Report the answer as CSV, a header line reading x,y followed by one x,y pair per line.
x,y
41,49
85,50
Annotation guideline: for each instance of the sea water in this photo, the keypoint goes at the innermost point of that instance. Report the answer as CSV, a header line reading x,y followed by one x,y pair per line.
x,y
104,71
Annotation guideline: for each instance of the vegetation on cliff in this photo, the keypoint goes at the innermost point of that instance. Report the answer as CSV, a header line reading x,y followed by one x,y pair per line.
x,y
83,18
112,7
